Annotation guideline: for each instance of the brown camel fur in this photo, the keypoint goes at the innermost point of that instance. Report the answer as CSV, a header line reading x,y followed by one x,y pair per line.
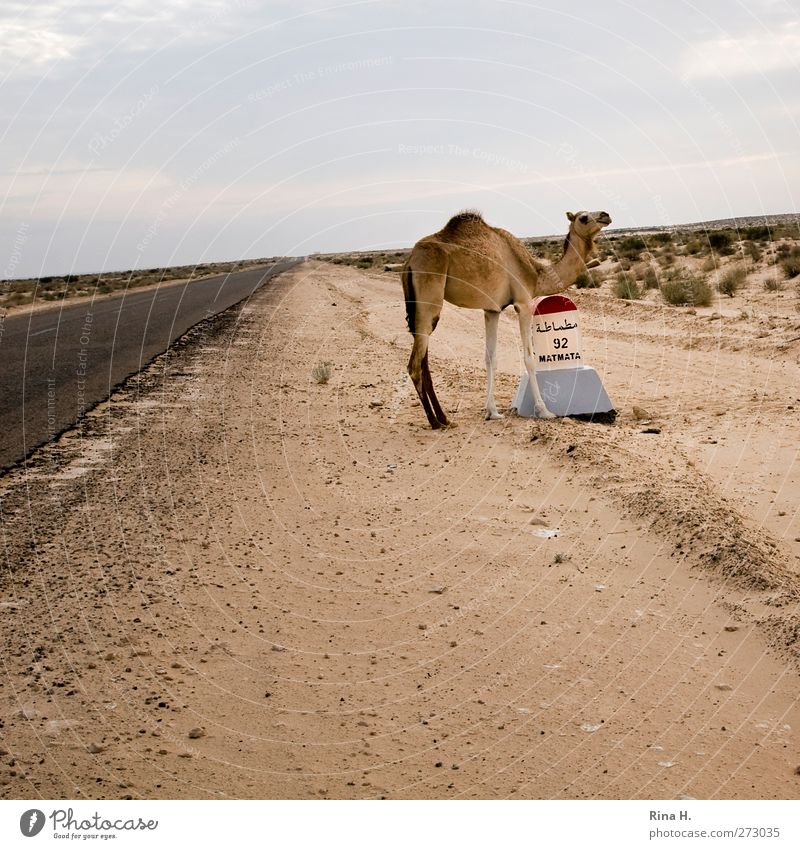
x,y
472,265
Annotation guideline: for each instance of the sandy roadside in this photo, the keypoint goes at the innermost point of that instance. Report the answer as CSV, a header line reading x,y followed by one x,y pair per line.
x,y
246,584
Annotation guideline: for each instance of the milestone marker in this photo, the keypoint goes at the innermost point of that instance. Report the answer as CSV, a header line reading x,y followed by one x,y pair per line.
x,y
568,386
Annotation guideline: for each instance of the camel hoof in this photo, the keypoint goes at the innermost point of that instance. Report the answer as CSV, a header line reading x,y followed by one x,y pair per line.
x,y
493,416
544,413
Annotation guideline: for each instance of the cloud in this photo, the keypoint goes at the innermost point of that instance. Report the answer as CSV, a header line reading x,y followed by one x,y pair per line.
x,y
752,53
36,35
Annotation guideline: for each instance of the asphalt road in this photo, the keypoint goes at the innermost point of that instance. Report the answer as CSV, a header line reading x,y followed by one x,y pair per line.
x,y
56,364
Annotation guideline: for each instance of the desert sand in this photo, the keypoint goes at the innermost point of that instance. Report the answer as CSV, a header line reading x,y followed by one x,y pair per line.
x,y
236,582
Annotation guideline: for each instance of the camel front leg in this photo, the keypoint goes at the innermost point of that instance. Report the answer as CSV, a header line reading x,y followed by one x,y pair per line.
x,y
539,407
492,320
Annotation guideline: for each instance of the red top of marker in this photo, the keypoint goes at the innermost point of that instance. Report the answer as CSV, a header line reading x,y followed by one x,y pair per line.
x,y
552,303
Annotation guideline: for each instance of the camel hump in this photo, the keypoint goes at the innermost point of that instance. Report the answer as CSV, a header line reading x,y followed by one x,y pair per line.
x,y
465,217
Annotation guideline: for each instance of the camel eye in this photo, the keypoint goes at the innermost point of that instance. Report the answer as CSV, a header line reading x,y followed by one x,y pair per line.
x,y
584,219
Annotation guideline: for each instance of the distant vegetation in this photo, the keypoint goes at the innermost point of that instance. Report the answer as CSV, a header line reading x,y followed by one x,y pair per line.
x,y
681,267
50,288
378,259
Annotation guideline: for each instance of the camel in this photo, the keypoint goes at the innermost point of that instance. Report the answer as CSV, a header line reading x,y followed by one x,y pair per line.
x,y
478,267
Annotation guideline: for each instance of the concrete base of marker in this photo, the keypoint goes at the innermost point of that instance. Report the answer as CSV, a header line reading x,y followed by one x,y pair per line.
x,y
567,392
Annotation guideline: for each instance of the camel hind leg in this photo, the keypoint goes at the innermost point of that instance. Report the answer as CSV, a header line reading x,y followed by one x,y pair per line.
x,y
424,299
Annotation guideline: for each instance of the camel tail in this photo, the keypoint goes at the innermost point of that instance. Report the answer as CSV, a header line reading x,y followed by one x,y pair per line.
x,y
411,301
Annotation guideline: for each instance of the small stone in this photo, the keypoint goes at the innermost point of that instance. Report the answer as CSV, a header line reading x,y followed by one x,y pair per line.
x,y
437,590
184,754
723,687
278,647
109,656
731,628
797,770
195,733
640,414
95,748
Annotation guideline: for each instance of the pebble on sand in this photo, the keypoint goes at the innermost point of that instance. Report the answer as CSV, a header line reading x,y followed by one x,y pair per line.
x,y
95,748
196,732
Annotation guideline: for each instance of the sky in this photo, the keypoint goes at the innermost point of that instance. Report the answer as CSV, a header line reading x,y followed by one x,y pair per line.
x,y
139,135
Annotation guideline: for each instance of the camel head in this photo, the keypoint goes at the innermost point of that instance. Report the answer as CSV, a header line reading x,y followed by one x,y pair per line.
x,y
587,225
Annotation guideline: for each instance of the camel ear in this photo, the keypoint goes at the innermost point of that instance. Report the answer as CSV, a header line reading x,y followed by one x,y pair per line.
x,y
571,216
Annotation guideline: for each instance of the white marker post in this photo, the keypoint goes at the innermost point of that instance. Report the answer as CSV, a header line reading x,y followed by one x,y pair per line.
x,y
569,387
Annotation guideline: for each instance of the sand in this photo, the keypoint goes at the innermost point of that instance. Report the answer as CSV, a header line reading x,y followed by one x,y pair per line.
x,y
235,582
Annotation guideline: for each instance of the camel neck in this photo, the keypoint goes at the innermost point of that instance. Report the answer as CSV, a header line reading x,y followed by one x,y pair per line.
x,y
561,275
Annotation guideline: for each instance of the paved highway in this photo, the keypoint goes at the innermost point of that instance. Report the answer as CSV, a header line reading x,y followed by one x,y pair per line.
x,y
56,364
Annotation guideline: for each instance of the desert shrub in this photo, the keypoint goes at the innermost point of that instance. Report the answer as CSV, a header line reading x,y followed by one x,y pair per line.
x,y
752,250
661,239
321,372
755,234
686,290
773,284
630,247
694,246
627,288
708,265
783,248
731,280
650,279
720,241
790,263
587,280
364,262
